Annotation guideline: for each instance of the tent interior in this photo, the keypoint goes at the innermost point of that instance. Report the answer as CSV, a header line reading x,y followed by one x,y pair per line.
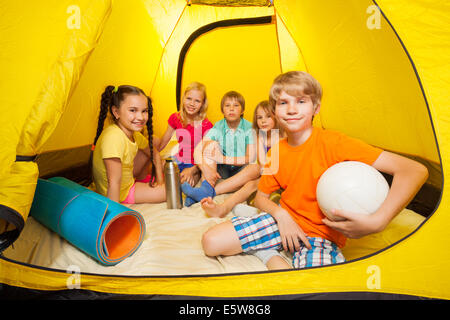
x,y
371,92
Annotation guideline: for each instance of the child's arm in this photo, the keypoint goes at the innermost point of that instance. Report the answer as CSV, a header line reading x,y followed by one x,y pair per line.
x,y
166,138
156,161
114,175
408,177
290,231
218,157
261,150
158,166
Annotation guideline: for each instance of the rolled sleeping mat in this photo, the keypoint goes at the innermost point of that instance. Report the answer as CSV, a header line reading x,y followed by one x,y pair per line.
x,y
104,229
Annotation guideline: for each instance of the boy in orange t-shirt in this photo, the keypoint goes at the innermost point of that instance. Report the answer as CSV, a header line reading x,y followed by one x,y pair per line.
x,y
297,224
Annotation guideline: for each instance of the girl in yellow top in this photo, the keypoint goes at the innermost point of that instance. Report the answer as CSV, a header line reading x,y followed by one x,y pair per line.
x,y
122,155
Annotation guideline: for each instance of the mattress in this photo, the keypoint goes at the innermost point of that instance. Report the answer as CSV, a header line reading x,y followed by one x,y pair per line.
x,y
172,245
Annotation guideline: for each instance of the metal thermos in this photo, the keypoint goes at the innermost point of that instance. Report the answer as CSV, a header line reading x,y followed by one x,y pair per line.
x,y
173,187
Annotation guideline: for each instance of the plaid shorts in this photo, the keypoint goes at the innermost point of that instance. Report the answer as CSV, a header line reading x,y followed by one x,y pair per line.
x,y
257,232
260,232
322,253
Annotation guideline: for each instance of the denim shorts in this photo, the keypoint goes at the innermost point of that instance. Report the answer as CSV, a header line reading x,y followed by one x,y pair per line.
x,y
227,170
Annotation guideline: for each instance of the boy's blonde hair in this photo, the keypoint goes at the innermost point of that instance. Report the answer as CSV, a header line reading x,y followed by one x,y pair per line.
x,y
295,83
233,95
202,112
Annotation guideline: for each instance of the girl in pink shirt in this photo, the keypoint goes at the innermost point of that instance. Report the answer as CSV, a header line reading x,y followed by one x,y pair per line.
x,y
190,125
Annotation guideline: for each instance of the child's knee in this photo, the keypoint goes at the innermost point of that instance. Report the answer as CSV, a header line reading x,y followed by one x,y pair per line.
x,y
254,169
212,148
252,184
221,239
214,145
210,243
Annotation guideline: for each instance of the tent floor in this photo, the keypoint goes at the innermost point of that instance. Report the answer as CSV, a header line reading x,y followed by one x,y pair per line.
x,y
172,245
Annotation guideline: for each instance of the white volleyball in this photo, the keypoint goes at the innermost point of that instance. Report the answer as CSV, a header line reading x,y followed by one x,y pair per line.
x,y
351,186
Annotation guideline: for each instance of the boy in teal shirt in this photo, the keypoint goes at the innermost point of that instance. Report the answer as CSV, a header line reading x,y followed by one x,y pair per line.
x,y
225,150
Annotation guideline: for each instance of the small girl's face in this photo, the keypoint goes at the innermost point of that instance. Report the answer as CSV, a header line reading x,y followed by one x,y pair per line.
x,y
193,102
132,115
264,120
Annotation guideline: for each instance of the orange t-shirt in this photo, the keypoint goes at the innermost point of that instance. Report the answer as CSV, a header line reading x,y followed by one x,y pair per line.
x,y
299,170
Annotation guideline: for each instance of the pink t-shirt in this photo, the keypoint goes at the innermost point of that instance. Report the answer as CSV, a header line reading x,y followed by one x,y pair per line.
x,y
188,136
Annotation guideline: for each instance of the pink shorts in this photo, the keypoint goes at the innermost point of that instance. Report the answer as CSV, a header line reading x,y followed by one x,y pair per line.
x,y
130,197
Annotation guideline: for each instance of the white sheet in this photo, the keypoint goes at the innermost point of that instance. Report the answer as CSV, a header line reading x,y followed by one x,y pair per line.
x,y
172,245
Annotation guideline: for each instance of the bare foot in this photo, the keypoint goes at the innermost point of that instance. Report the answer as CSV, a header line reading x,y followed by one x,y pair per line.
x,y
213,209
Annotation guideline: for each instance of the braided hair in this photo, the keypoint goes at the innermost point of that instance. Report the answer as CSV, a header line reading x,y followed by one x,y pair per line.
x,y
113,96
150,133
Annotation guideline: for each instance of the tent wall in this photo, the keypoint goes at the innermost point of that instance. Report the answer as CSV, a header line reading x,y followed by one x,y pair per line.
x,y
39,74
193,18
291,57
244,59
140,46
128,52
370,89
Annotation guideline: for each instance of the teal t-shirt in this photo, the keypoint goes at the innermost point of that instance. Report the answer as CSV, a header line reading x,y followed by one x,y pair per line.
x,y
233,142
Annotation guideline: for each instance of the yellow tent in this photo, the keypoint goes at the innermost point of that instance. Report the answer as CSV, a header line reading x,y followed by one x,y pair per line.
x,y
383,66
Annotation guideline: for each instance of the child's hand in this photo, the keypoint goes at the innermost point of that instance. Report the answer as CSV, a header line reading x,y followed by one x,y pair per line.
x,y
187,175
355,225
157,182
210,175
291,233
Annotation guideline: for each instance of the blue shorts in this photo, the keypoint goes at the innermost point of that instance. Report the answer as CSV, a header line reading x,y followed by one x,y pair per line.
x,y
260,232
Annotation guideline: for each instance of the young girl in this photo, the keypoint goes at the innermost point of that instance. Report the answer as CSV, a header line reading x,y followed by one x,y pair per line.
x,y
121,153
263,123
190,125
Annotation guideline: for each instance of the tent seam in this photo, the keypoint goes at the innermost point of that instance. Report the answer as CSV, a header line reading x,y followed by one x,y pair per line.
x,y
278,39
299,50
164,48
416,72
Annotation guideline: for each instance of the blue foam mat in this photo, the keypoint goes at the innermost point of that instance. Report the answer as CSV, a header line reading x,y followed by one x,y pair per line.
x,y
81,216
